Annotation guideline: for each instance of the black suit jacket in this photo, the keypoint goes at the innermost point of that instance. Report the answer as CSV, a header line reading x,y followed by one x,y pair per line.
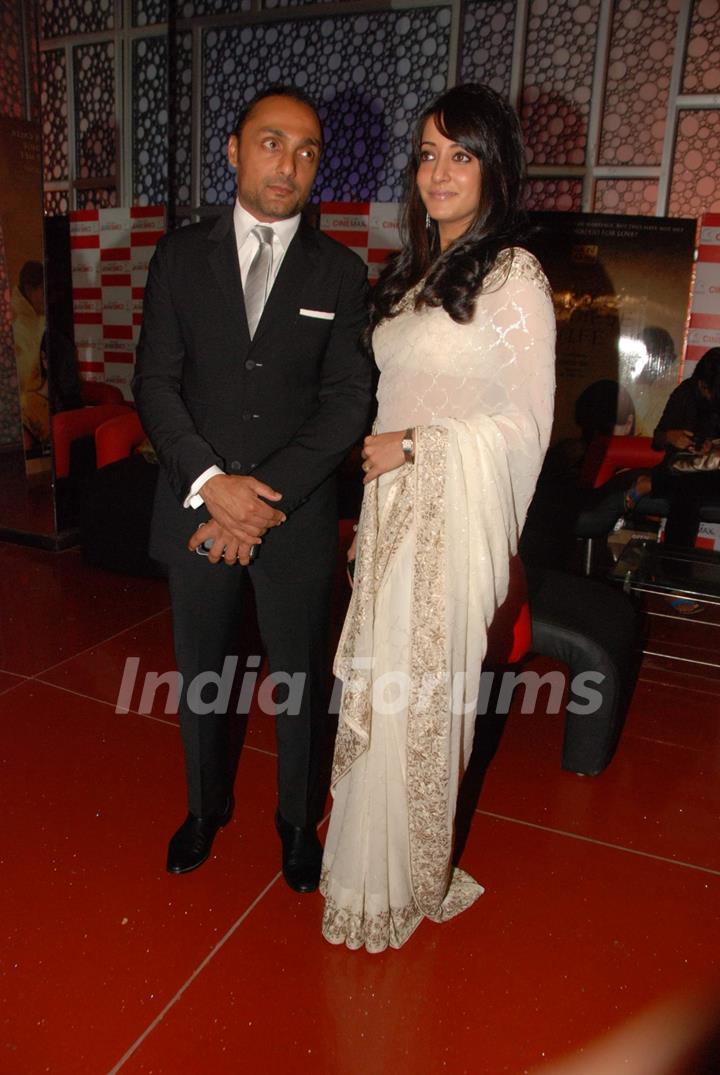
x,y
284,407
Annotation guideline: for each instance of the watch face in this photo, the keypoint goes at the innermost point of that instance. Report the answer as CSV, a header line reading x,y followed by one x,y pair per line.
x,y
407,444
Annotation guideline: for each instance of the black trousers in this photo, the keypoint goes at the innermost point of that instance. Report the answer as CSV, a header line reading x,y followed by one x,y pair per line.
x,y
687,494
293,616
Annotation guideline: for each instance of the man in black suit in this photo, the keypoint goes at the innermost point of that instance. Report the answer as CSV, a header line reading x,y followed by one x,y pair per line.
x,y
251,408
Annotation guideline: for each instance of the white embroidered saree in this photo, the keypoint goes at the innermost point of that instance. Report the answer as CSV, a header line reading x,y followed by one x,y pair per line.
x,y
434,544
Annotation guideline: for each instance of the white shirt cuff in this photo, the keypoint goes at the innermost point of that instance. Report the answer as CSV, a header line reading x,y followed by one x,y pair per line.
x,y
193,499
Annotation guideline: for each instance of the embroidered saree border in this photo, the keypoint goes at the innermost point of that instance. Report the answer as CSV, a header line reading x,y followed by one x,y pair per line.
x,y
358,929
428,723
378,540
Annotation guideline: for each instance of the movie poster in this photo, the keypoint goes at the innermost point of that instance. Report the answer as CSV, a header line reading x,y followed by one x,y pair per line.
x,y
21,221
621,287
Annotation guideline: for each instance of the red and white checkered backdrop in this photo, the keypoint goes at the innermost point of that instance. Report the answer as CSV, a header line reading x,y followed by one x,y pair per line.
x,y
110,252
704,330
368,228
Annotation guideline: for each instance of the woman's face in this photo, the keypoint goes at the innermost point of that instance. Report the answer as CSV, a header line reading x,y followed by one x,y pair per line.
x,y
449,182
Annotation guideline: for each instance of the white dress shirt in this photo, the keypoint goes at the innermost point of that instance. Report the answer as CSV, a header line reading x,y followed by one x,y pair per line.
x,y
247,244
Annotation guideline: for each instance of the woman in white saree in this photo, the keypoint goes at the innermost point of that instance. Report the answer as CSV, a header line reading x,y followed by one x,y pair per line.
x,y
463,334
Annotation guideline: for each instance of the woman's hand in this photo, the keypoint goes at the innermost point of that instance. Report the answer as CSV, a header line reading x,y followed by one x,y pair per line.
x,y
382,453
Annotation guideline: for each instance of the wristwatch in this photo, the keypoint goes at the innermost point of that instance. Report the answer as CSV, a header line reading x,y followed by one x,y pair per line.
x,y
408,446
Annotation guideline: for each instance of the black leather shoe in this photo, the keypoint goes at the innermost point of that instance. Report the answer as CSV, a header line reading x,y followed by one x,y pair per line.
x,y
192,843
301,854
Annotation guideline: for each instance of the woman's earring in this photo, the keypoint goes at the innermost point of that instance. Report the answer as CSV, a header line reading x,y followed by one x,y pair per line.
x,y
428,221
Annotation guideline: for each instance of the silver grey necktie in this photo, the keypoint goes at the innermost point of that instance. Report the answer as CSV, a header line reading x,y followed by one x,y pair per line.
x,y
256,284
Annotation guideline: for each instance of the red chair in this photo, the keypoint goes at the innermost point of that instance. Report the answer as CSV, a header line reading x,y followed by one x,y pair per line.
x,y
116,510
69,426
117,438
606,456
510,634
102,401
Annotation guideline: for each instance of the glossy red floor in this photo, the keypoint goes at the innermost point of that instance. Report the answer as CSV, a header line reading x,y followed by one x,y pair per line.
x,y
601,894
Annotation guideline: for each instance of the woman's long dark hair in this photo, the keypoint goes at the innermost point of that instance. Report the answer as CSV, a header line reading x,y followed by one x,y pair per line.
x,y
486,125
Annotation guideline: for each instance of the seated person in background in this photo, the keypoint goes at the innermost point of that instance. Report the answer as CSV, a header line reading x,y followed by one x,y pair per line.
x,y
689,423
562,511
603,408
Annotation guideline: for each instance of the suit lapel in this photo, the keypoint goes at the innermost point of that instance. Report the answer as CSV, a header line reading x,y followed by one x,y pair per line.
x,y
283,301
223,260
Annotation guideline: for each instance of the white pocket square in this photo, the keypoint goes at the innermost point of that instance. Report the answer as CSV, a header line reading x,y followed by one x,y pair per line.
x,y
325,315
